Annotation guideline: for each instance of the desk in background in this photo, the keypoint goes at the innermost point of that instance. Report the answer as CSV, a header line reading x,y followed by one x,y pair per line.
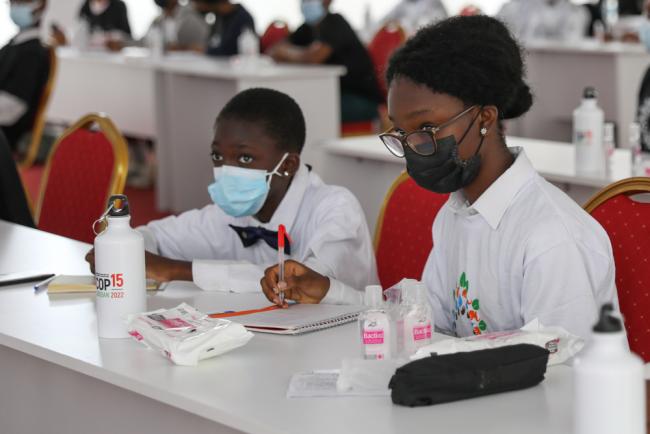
x,y
559,71
58,377
175,101
364,165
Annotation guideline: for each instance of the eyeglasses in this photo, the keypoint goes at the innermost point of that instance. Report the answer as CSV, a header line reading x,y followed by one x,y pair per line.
x,y
422,142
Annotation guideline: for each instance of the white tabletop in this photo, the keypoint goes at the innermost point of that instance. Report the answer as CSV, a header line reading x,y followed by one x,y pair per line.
x,y
246,388
189,63
555,161
588,46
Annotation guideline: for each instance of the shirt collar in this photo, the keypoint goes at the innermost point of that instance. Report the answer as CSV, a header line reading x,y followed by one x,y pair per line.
x,y
494,201
26,35
290,205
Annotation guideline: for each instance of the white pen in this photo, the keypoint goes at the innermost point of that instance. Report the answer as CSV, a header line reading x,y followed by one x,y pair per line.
x,y
44,283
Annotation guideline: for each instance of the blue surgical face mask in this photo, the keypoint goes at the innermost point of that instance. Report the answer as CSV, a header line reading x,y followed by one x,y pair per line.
x,y
239,191
23,14
313,11
644,33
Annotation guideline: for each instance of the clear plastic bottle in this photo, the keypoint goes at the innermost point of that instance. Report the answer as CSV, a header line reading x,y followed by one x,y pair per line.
x,y
609,384
634,137
375,326
248,44
418,319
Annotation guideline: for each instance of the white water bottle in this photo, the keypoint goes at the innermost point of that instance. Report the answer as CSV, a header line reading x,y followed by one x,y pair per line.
x,y
609,384
588,121
248,44
119,271
375,326
418,321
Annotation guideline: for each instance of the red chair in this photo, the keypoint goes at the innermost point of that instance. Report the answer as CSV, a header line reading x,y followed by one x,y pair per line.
x,y
86,165
387,39
403,234
627,222
274,33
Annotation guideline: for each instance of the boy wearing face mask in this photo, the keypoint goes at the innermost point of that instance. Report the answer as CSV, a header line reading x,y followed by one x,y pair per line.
x,y
24,70
260,183
327,38
508,247
107,17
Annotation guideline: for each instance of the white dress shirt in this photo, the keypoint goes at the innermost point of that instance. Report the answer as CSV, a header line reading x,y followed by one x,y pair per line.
x,y
531,20
523,250
326,224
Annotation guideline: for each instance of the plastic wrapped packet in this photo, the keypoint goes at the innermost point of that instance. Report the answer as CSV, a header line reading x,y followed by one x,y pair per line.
x,y
366,377
184,335
561,344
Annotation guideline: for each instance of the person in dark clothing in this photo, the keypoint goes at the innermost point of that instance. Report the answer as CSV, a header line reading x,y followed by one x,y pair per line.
x,y
13,204
231,21
625,8
327,38
106,16
24,70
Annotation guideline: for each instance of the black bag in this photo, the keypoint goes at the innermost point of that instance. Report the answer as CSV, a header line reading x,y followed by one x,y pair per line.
x,y
453,377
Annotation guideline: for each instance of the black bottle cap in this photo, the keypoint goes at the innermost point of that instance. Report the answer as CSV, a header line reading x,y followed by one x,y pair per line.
x,y
607,323
589,93
119,205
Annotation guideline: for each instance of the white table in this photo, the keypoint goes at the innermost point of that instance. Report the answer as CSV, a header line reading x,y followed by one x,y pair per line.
x,y
364,166
558,73
175,100
56,376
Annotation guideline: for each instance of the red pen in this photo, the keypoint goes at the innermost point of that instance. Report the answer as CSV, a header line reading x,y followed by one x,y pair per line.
x,y
282,231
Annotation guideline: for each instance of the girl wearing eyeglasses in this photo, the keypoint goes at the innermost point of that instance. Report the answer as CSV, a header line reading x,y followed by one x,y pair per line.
x,y
509,247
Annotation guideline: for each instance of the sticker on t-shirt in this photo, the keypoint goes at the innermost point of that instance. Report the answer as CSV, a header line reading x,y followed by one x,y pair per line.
x,y
467,308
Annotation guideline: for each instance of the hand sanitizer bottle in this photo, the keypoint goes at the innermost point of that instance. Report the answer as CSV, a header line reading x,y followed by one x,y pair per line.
x,y
119,271
588,120
609,144
374,325
609,384
418,321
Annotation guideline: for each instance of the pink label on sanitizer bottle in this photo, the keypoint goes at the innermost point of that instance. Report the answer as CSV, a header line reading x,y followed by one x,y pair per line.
x,y
422,332
373,337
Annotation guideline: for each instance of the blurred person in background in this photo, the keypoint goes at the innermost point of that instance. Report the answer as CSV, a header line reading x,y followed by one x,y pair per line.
x,y
182,27
556,20
231,20
413,14
327,38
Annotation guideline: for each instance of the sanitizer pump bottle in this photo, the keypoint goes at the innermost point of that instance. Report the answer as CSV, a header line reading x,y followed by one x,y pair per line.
x,y
119,270
609,382
588,121
418,321
375,326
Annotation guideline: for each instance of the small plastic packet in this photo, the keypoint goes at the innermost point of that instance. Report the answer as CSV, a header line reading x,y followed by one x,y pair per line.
x,y
184,335
561,344
366,377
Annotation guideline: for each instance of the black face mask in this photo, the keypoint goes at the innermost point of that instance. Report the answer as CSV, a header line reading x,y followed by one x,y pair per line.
x,y
444,171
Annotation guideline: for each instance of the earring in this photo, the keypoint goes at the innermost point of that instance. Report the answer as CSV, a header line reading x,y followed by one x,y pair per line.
x,y
484,131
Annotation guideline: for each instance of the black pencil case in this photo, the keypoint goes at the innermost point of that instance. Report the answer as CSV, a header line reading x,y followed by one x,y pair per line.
x,y
452,377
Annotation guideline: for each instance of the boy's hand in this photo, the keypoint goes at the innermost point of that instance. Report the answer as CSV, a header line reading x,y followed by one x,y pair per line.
x,y
302,284
158,268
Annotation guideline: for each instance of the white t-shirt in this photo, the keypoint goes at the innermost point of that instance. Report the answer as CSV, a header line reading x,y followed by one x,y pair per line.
x,y
523,250
326,224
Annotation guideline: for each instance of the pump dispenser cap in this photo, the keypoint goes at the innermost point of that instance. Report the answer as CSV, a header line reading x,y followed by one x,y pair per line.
x,y
373,296
608,323
119,206
589,93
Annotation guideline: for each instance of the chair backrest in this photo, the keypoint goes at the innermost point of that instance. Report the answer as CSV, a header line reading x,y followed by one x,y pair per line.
x,y
39,119
274,33
86,165
627,222
403,234
387,39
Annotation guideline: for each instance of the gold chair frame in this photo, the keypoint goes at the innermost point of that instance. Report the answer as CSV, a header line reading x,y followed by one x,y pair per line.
x,y
628,187
120,151
39,120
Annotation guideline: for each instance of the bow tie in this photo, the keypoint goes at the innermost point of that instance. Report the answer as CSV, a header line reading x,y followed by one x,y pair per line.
x,y
250,235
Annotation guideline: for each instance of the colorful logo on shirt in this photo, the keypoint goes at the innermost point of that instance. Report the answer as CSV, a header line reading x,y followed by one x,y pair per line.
x,y
466,307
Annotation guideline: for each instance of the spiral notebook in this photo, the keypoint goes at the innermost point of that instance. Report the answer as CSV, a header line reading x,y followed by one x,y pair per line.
x,y
298,318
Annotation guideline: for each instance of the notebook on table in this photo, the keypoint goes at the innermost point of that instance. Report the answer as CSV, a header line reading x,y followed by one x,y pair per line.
x,y
297,319
69,284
